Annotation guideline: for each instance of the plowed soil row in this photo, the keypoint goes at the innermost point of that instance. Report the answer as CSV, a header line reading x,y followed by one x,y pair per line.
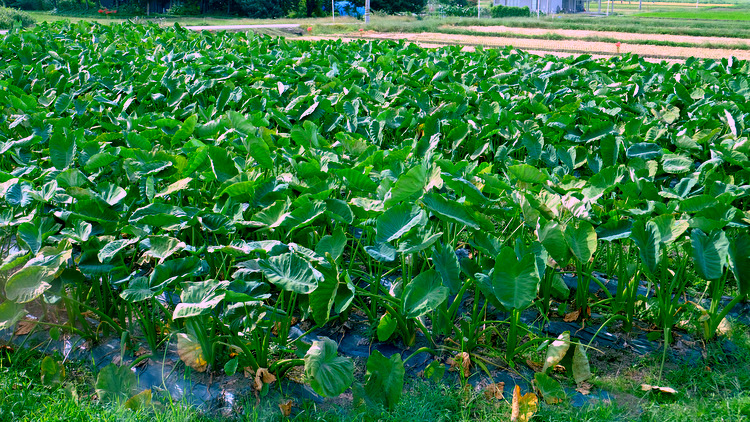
x,y
620,36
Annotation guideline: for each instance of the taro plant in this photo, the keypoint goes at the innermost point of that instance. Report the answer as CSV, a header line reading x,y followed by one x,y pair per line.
x,y
711,255
668,274
511,284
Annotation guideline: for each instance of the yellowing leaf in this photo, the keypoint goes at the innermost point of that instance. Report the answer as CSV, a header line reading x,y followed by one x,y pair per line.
x,y
557,350
666,390
139,401
522,407
190,352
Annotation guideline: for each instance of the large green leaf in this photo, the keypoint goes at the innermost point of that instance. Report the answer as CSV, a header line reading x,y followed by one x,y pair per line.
x,y
108,251
407,185
513,283
581,240
31,236
162,247
739,252
648,239
552,237
446,263
291,273
328,374
10,313
384,381
62,149
397,221
549,388
449,210
333,244
199,297
221,163
710,253
581,367
115,384
527,173
423,294
260,152
322,299
28,284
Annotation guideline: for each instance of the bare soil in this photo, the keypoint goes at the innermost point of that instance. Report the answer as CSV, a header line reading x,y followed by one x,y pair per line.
x,y
621,36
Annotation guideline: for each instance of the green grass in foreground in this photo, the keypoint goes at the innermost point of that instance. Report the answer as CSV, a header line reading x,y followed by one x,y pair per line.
x,y
723,13
716,389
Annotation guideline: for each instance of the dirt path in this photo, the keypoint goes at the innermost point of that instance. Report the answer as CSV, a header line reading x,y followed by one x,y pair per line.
x,y
549,46
621,36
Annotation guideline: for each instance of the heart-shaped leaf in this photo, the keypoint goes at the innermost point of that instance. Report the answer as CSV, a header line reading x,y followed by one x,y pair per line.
x,y
27,284
423,294
328,374
115,384
291,273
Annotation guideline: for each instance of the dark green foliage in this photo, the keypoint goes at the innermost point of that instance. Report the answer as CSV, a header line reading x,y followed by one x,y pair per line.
x,y
10,17
395,6
261,9
509,11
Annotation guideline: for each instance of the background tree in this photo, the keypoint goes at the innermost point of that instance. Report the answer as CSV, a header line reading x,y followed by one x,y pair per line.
x,y
264,9
395,6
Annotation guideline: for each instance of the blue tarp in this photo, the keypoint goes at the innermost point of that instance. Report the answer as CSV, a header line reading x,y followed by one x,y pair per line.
x,y
346,8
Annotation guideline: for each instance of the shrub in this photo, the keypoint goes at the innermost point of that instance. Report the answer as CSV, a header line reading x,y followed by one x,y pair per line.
x,y
76,7
263,9
463,12
9,17
30,4
184,8
509,11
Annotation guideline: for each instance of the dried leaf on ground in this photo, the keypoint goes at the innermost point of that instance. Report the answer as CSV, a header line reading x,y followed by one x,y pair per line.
x,y
495,390
24,327
666,390
584,388
572,316
286,408
462,362
262,376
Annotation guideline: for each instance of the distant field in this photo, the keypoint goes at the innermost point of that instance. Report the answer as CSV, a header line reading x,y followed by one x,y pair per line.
x,y
723,13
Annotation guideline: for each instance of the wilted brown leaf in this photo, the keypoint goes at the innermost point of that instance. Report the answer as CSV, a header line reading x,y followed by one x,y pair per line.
x,y
667,390
495,390
535,366
462,362
24,327
515,405
584,388
286,408
572,316
262,376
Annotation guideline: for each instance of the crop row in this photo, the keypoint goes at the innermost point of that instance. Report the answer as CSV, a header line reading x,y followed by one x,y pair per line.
x,y
216,187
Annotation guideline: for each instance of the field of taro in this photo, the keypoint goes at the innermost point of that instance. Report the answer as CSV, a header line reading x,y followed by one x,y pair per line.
x,y
218,191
